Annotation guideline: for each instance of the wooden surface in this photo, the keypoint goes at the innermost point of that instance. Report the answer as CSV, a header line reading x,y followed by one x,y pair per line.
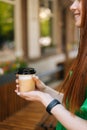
x,y
9,101
29,118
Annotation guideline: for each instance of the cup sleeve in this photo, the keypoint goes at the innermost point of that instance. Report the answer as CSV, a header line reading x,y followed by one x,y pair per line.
x,y
84,106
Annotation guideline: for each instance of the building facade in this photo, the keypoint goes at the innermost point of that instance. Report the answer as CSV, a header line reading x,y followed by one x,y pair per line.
x,y
41,49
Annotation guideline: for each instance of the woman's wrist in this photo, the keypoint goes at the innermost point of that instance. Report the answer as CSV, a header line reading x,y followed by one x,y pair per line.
x,y
51,105
45,99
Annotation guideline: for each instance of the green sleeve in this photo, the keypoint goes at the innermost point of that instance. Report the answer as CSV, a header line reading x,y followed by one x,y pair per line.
x,y
84,106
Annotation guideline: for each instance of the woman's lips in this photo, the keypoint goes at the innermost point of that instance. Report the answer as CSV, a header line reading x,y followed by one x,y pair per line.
x,y
77,15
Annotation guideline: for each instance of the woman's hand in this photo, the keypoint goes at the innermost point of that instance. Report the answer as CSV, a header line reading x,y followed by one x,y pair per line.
x,y
42,97
37,95
39,85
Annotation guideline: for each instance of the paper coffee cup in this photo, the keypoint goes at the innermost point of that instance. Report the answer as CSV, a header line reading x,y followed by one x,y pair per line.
x,y
26,82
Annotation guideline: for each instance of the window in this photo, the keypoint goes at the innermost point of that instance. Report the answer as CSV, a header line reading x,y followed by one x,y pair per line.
x,y
45,16
6,29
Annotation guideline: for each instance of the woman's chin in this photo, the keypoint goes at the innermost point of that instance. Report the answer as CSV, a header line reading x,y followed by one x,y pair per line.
x,y
78,24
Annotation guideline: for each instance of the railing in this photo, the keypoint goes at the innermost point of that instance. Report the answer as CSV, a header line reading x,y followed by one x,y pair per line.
x,y
9,101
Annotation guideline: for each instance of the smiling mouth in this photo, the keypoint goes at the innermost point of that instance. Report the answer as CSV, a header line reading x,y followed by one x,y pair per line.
x,y
76,15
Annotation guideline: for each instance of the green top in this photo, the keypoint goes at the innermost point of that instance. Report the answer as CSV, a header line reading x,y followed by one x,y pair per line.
x,y
82,114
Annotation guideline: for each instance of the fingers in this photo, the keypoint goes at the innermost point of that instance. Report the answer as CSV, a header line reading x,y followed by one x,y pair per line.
x,y
37,80
17,89
17,81
39,84
17,85
31,96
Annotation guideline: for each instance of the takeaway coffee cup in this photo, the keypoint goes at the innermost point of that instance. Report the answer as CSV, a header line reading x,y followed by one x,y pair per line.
x,y
26,82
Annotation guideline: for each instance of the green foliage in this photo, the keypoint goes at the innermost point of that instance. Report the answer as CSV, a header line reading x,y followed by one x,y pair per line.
x,y
6,22
45,27
12,66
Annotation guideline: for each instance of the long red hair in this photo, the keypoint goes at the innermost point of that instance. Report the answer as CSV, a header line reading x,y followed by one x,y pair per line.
x,y
75,86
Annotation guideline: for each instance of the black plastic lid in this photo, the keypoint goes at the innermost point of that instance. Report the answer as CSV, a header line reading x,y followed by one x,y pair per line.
x,y
26,71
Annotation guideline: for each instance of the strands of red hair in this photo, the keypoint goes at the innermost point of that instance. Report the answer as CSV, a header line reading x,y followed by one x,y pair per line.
x,y
75,86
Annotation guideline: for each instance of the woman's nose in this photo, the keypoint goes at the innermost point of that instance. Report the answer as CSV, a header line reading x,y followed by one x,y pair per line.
x,y
74,6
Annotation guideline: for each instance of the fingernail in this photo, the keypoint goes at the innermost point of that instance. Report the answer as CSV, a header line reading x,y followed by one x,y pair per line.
x,y
36,77
33,76
18,93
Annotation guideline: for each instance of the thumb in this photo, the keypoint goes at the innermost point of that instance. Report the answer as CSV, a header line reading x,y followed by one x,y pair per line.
x,y
39,83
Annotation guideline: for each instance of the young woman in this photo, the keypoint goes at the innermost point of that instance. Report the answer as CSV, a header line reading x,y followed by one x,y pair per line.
x,y
69,107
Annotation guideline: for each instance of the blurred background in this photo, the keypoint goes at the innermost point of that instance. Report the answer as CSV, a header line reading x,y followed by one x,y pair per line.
x,y
36,33
39,34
